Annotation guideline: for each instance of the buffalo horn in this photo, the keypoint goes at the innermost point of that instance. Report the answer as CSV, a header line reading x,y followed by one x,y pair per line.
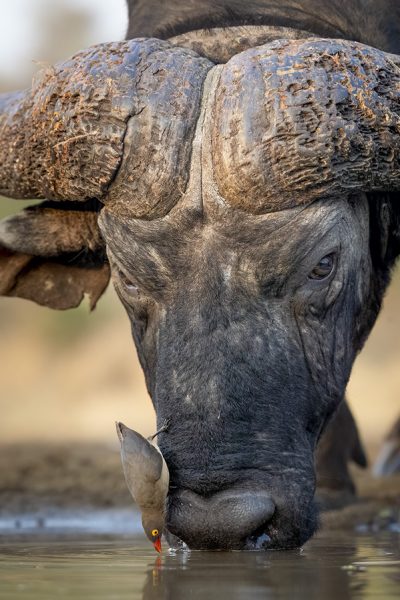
x,y
115,122
305,119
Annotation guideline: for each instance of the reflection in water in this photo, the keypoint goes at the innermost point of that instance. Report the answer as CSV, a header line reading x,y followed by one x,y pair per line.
x,y
309,574
119,569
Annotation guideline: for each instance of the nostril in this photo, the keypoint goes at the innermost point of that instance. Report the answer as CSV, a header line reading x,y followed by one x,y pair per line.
x,y
258,542
225,520
259,539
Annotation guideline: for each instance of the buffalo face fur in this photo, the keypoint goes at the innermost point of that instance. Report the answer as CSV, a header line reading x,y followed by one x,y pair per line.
x,y
245,350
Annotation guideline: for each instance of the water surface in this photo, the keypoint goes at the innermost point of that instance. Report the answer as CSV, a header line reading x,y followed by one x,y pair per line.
x,y
330,566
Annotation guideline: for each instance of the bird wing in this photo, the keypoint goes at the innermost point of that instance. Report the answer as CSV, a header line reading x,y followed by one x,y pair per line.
x,y
144,467
144,459
139,453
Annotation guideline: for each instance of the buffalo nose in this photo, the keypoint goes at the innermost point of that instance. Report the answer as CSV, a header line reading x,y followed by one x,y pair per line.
x,y
224,520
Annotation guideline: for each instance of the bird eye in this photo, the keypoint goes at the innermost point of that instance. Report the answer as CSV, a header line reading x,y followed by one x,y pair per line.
x,y
155,532
324,268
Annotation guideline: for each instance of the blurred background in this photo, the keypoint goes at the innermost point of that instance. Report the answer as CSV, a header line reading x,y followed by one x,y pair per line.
x,y
67,376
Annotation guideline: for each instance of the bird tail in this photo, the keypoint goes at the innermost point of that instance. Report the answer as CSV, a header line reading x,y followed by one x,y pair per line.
x,y
119,427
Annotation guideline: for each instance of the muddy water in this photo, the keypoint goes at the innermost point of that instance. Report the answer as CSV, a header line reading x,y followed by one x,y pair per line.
x,y
331,566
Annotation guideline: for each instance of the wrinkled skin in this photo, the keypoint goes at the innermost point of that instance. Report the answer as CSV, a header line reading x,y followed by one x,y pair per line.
x,y
244,353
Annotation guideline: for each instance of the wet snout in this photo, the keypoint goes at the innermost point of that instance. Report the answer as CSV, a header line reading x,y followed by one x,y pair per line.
x,y
231,519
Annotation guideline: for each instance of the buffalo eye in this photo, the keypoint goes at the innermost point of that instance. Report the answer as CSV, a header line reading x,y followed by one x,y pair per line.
x,y
129,287
324,268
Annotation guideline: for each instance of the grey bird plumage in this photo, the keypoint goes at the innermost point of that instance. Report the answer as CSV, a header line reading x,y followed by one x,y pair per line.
x,y
147,477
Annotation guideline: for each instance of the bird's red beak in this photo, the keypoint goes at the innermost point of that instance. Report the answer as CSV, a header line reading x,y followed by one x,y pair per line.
x,y
157,544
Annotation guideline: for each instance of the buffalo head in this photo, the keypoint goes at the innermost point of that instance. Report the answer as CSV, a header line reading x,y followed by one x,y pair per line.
x,y
248,213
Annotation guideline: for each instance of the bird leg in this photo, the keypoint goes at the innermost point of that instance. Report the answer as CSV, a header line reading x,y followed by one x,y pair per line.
x,y
164,427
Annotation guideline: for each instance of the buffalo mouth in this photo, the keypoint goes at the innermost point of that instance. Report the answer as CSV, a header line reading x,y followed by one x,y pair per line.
x,y
238,519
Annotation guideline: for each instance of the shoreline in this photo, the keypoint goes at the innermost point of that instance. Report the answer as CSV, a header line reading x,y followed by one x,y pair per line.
x,y
48,482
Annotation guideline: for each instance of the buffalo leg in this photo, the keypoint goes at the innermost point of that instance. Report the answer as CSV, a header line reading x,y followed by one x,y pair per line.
x,y
339,445
388,461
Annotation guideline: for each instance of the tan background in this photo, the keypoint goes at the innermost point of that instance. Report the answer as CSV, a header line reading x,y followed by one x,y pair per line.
x,y
68,376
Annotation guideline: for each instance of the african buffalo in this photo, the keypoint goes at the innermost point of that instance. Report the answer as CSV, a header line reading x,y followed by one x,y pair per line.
x,y
237,167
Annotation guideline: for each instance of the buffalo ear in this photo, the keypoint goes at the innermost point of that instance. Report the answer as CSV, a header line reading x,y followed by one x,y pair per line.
x,y
384,228
54,255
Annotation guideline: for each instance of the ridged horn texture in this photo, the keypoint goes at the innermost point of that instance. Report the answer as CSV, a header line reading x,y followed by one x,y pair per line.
x,y
298,120
115,123
291,121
